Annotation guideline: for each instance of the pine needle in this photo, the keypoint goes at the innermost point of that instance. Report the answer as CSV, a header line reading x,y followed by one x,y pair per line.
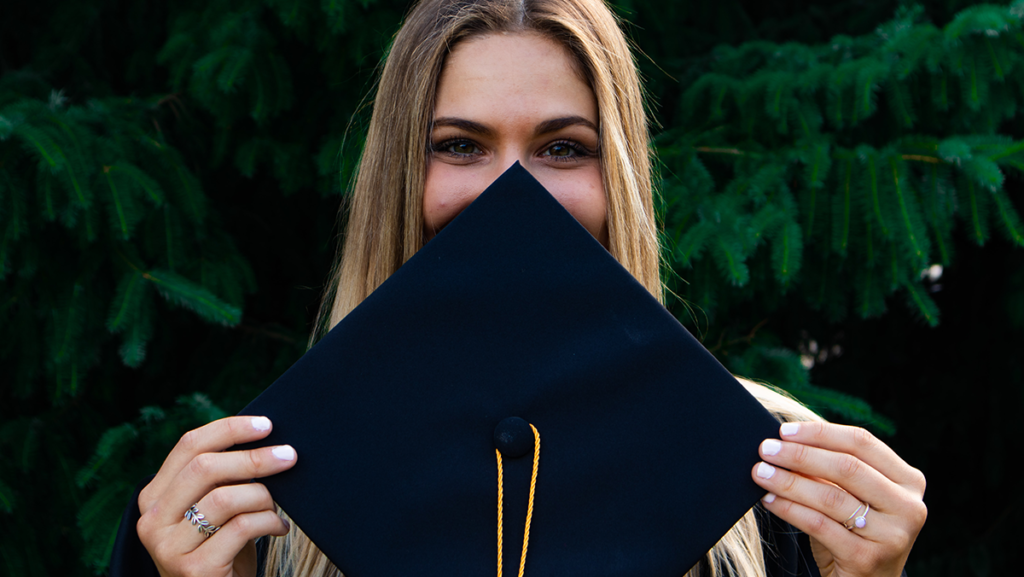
x,y
182,292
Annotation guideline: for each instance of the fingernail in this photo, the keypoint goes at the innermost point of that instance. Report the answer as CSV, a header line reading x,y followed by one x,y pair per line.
x,y
789,428
765,471
261,423
771,447
288,526
284,452
769,498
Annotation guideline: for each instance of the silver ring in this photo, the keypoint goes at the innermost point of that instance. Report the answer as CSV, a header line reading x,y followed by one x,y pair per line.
x,y
199,520
859,519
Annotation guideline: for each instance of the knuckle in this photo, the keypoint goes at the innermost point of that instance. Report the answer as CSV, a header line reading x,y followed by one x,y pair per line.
x,y
787,483
848,467
819,431
784,506
920,514
232,426
919,481
201,465
146,498
834,498
264,499
863,438
244,524
818,524
144,528
190,441
255,461
800,454
220,499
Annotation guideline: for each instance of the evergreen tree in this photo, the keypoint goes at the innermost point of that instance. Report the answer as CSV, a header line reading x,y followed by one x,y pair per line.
x,y
837,173
169,174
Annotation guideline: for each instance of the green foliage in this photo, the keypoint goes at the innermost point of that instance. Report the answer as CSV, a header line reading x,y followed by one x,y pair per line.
x,y
121,194
883,151
135,448
846,160
774,364
100,176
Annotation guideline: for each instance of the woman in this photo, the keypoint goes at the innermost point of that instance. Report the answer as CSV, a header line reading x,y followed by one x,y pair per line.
x,y
468,89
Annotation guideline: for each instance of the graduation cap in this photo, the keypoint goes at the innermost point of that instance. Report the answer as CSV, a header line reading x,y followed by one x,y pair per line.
x,y
513,369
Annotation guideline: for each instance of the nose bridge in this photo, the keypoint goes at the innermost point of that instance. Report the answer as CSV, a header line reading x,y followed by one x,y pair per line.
x,y
515,140
511,155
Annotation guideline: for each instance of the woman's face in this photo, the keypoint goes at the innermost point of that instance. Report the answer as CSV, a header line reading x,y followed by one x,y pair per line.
x,y
504,98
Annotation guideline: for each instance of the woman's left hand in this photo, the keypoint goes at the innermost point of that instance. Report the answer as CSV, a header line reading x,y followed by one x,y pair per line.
x,y
818,476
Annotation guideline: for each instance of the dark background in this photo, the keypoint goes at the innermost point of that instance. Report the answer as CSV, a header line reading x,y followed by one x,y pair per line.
x,y
251,101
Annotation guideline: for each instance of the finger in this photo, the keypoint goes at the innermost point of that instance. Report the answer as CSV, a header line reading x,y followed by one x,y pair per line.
x,y
825,497
846,471
208,471
210,438
218,507
852,553
223,546
859,443
837,539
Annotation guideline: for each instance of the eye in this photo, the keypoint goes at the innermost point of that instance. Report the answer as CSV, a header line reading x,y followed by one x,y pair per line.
x,y
458,148
566,150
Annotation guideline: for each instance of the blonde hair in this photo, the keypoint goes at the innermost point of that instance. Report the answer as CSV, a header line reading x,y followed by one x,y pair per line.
x,y
385,220
385,216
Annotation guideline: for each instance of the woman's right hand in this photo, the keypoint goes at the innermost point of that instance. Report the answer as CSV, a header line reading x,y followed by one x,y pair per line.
x,y
199,471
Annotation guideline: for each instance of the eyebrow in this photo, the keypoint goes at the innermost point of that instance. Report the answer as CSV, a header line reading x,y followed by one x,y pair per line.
x,y
467,125
546,127
556,124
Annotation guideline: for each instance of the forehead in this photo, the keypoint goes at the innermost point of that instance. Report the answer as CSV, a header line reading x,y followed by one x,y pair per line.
x,y
524,70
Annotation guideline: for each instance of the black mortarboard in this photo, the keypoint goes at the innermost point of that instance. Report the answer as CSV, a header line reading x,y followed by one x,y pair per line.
x,y
513,315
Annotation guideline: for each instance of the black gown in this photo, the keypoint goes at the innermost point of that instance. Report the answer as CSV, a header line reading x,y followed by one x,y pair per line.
x,y
787,551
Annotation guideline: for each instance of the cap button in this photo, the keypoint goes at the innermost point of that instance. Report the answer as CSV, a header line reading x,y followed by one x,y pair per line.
x,y
513,437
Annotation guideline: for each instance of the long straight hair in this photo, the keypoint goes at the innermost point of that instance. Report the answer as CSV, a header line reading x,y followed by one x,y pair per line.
x,y
385,219
385,216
